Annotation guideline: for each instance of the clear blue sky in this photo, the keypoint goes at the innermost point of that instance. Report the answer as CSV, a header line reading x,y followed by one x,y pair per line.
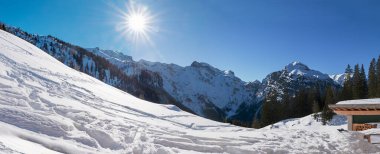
x,y
250,37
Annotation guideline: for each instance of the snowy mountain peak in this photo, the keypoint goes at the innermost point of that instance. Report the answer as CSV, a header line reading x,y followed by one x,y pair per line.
x,y
299,69
205,67
338,78
294,77
296,65
200,64
229,73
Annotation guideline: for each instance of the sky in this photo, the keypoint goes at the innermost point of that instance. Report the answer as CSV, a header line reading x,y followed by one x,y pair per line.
x,y
250,37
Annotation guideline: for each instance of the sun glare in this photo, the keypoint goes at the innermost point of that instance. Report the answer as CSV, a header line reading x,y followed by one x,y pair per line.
x,y
137,24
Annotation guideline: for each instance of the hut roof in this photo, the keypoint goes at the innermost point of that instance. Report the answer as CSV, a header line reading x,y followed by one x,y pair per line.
x,y
357,107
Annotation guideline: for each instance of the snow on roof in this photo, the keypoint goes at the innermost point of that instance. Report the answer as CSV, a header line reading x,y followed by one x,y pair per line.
x,y
361,101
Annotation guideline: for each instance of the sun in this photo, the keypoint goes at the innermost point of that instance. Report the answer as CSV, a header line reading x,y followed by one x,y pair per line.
x,y
137,23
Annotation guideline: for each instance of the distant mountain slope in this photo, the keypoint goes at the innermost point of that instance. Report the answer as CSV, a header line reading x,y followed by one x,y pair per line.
x,y
47,107
294,77
206,90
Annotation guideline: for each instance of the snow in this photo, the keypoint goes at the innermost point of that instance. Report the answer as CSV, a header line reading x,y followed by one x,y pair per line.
x,y
47,107
299,69
361,101
375,139
111,55
200,83
338,78
354,140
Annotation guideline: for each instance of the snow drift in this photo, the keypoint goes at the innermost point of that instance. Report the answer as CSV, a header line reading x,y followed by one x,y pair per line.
x,y
47,107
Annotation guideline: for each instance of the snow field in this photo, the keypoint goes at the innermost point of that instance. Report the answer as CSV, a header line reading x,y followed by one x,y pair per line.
x,y
46,107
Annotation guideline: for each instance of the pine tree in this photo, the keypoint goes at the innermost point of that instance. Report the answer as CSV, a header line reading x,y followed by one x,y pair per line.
x,y
347,85
266,118
2,26
356,88
363,83
300,105
270,111
360,87
327,113
372,79
316,107
311,98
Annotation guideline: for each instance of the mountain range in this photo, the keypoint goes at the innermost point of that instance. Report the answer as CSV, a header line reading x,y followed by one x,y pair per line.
x,y
198,88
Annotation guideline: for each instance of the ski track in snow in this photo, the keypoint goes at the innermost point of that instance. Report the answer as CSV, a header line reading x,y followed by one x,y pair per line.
x,y
46,107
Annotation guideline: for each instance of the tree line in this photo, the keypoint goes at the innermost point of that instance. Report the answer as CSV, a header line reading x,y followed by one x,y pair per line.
x,y
2,26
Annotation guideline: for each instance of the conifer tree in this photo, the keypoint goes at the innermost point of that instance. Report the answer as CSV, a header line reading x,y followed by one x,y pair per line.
x,y
347,85
298,104
311,98
372,79
356,83
286,103
363,83
2,26
316,109
270,111
327,113
266,118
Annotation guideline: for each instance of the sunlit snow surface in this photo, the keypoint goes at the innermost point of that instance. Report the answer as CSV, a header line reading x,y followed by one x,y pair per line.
x,y
361,101
46,107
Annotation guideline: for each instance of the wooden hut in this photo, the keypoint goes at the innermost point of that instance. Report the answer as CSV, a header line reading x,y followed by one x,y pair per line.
x,y
361,114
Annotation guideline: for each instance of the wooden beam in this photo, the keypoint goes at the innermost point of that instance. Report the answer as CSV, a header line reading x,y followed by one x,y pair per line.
x,y
349,122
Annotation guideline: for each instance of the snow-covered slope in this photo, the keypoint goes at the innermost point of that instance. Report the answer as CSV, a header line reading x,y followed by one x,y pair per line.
x,y
353,140
47,107
148,85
